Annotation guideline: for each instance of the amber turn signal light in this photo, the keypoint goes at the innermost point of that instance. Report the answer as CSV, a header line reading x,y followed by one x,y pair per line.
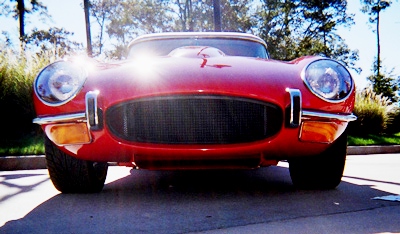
x,y
68,134
322,132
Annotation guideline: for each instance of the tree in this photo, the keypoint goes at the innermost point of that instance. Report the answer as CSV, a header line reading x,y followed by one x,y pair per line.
x,y
86,7
373,8
383,83
198,15
320,19
217,15
306,27
276,19
7,43
20,9
101,11
54,39
123,20
237,15
185,14
131,18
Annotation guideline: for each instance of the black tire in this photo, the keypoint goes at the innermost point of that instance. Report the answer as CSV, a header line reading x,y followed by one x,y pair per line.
x,y
323,171
72,175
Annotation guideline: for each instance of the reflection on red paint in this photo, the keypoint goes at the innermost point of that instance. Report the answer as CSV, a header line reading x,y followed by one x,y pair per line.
x,y
204,64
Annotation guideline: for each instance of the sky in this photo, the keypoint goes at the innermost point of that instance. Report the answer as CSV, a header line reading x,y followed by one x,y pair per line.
x,y
69,15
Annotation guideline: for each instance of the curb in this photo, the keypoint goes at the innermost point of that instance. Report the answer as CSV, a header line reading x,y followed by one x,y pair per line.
x,y
375,149
31,162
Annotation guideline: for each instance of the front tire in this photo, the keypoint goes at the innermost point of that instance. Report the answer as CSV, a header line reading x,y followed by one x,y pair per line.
x,y
72,175
323,171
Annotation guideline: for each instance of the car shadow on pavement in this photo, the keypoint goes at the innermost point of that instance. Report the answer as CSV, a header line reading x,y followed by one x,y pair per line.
x,y
192,201
19,189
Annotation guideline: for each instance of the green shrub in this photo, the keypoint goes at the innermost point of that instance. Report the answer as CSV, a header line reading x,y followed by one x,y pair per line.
x,y
17,72
394,121
374,114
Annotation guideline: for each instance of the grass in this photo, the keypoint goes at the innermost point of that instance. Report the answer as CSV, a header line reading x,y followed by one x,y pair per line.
x,y
25,146
393,139
17,72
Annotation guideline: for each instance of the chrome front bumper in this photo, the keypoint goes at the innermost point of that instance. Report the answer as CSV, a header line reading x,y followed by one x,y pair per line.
x,y
82,117
91,115
297,116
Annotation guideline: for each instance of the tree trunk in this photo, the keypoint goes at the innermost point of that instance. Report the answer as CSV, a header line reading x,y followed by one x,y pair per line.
x,y
190,15
217,16
21,15
88,36
378,54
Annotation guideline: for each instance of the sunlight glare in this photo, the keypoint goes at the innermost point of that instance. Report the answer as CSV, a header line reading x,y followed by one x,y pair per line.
x,y
145,68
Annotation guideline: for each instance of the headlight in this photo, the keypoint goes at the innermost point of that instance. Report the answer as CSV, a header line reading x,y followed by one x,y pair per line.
x,y
59,82
328,79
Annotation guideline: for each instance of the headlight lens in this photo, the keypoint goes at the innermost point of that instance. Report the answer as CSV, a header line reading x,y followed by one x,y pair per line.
x,y
59,82
328,79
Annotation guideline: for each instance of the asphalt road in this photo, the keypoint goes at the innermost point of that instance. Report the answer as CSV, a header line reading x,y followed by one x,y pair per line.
x,y
255,201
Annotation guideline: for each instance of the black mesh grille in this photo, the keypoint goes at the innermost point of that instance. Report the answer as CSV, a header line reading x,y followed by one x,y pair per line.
x,y
194,120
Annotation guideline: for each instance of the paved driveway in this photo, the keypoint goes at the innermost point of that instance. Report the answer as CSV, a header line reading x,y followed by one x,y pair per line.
x,y
260,201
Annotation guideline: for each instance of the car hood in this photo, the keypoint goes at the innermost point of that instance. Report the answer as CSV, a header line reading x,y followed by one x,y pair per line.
x,y
192,71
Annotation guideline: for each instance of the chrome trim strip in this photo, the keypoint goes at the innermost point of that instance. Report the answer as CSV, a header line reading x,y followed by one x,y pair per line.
x,y
295,107
78,117
312,114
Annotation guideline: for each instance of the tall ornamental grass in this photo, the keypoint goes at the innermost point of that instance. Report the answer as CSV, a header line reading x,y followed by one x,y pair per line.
x,y
375,114
17,72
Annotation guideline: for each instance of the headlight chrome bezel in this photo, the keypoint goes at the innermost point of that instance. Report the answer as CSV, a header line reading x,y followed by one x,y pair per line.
x,y
314,73
60,82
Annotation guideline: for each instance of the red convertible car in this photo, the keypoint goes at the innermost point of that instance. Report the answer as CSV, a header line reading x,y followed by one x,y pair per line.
x,y
194,101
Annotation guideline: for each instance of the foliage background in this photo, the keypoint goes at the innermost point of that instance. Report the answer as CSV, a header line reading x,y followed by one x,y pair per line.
x,y
16,78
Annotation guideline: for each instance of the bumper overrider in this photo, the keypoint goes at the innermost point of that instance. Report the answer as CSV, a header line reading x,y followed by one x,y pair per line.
x,y
76,128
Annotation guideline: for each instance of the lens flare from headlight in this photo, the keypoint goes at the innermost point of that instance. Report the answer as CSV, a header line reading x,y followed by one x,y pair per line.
x,y
59,82
328,79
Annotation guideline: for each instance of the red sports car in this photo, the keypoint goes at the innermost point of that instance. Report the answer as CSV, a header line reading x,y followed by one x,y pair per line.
x,y
194,101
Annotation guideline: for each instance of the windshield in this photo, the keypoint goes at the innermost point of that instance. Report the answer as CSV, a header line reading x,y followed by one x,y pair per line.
x,y
231,47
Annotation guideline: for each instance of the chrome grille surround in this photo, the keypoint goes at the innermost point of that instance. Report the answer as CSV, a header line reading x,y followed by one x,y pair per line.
x,y
194,119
